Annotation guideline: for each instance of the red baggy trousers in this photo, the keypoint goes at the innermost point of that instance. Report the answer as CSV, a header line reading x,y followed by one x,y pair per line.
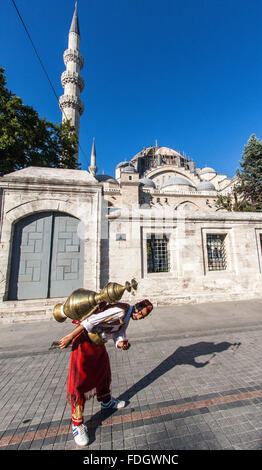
x,y
89,374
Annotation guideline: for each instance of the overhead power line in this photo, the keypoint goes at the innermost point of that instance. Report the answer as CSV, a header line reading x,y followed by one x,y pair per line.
x,y
39,58
41,63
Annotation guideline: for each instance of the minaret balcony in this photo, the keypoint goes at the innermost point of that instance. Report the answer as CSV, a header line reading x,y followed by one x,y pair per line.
x,y
72,55
72,77
71,101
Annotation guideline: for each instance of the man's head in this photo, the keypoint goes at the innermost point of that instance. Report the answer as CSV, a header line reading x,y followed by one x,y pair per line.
x,y
142,309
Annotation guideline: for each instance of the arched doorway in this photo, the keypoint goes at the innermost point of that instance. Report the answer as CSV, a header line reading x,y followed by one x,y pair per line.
x,y
47,257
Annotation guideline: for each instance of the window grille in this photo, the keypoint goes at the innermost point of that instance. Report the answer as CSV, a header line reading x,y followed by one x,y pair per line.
x,y
216,252
157,254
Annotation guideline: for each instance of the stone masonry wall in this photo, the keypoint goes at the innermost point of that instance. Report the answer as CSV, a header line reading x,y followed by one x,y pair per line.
x,y
24,195
189,279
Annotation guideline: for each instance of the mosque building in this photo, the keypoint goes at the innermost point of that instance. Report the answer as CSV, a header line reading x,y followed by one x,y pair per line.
x,y
155,219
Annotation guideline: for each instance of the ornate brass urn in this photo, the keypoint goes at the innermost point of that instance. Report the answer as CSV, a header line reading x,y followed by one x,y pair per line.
x,y
83,302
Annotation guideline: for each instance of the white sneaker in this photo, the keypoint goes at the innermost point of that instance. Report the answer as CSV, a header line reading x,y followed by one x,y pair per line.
x,y
80,435
113,404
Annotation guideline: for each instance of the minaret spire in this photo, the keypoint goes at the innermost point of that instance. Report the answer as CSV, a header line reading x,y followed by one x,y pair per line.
x,y
75,24
70,104
93,168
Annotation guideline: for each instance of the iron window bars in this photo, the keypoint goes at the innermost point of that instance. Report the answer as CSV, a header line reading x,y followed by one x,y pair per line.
x,y
157,254
216,252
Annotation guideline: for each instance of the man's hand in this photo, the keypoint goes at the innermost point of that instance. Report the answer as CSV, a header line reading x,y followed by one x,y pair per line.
x,y
65,341
124,345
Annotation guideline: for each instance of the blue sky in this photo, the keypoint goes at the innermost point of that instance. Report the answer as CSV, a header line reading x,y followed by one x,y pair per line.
x,y
184,72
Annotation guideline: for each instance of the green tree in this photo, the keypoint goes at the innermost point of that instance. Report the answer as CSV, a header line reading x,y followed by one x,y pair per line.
x,y
27,140
249,187
224,202
247,193
233,202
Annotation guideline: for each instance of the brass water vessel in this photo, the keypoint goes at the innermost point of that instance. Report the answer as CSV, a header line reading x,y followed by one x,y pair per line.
x,y
83,302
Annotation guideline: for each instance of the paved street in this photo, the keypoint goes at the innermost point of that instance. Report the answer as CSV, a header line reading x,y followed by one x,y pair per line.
x,y
192,379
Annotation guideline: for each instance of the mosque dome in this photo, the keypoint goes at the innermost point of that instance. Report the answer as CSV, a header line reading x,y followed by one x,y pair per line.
x,y
178,181
166,151
154,151
122,164
128,169
206,186
147,183
207,169
106,179
207,173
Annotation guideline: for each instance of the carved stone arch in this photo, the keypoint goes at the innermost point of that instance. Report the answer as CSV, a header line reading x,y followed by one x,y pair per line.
x,y
43,205
177,171
187,205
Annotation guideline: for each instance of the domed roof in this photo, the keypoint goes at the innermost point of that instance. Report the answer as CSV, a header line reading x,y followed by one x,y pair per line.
x,y
206,186
177,180
106,179
122,164
129,168
147,183
150,151
207,169
166,151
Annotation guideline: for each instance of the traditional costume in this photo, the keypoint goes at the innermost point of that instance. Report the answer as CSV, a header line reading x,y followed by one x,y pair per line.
x,y
89,367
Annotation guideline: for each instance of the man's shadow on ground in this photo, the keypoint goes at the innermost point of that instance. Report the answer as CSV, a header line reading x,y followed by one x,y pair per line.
x,y
182,355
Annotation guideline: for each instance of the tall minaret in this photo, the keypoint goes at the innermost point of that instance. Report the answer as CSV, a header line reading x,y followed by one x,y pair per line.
x,y
93,168
70,104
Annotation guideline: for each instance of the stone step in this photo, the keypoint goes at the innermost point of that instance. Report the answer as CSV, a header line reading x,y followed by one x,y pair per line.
x,y
17,303
42,309
28,310
25,317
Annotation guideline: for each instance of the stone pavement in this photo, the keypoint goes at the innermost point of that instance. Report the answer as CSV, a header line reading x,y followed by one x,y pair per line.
x,y
192,379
